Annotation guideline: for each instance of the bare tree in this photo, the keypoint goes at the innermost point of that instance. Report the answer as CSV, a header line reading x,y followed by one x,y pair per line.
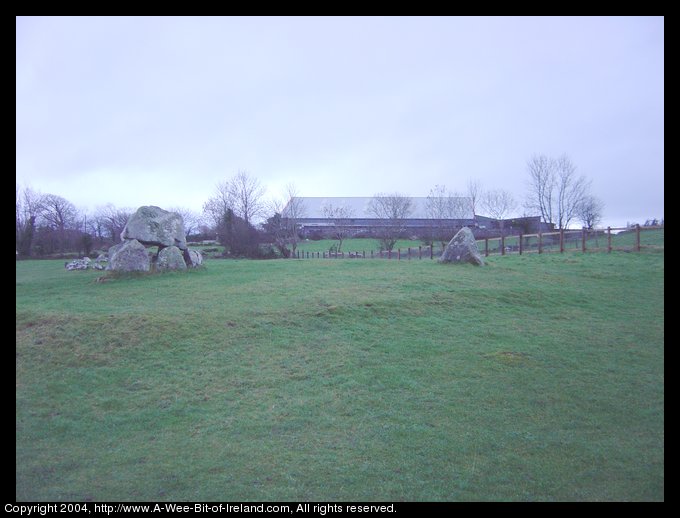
x,y
57,212
443,208
442,204
241,194
245,193
590,211
291,214
59,216
192,220
217,206
475,193
541,186
498,203
571,191
554,189
339,216
282,226
27,211
111,221
393,210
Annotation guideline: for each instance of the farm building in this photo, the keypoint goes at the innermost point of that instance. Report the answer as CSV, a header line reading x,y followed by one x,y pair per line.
x,y
318,217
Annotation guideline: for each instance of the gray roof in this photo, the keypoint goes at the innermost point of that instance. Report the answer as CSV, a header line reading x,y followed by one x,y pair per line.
x,y
359,207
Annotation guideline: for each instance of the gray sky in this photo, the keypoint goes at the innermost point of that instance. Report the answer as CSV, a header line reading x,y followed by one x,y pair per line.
x,y
156,111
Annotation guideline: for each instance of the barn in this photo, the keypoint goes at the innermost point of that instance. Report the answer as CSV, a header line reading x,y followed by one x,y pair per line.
x,y
322,217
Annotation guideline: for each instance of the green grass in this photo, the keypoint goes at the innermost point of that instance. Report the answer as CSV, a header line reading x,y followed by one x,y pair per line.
x,y
533,378
356,245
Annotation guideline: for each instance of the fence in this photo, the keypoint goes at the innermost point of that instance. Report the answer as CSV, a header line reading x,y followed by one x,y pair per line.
x,y
635,238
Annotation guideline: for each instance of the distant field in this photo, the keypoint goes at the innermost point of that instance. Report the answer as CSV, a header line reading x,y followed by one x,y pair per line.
x,y
538,377
354,245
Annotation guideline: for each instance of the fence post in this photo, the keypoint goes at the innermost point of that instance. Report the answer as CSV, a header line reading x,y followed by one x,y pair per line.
x,y
520,243
432,250
398,254
561,240
540,243
637,237
486,247
371,254
609,239
502,244
389,254
420,251
584,232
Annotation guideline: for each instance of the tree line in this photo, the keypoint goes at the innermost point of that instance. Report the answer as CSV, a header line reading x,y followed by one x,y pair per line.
x,y
240,217
48,224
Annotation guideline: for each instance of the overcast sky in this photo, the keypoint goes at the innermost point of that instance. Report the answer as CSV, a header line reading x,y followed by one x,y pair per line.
x,y
156,111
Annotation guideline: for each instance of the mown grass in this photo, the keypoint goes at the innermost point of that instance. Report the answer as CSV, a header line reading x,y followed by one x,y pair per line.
x,y
533,378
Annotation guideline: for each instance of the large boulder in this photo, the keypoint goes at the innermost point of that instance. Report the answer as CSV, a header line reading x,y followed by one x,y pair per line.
x,y
462,249
170,258
153,226
130,256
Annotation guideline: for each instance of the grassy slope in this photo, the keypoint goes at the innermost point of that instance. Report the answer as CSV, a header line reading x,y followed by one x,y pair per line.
x,y
534,378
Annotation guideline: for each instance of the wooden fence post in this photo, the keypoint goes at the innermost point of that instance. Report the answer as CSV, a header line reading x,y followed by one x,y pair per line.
x,y
486,247
540,243
432,250
420,251
584,233
609,240
520,243
637,237
398,254
502,244
561,240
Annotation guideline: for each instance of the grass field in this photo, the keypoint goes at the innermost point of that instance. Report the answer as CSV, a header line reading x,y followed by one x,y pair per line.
x,y
532,378
622,240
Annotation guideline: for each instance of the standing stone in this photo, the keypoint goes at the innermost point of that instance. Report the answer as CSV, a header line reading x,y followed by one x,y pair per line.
x,y
111,252
170,258
153,226
462,249
100,262
195,258
131,256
